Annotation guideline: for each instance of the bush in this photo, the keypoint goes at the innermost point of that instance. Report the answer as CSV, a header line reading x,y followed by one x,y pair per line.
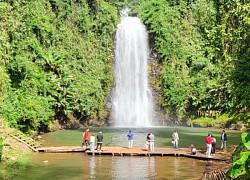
x,y
1,148
241,159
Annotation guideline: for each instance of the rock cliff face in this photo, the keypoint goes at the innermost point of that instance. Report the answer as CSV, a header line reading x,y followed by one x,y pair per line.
x,y
239,127
154,79
108,119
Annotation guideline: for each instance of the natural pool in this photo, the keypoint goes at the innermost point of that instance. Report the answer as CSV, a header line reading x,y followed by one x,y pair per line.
x,y
163,135
74,166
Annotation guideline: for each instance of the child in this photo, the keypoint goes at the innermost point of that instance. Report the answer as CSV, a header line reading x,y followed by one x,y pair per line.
x,y
92,142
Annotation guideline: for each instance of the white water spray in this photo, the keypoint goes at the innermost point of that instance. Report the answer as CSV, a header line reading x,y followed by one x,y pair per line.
x,y
132,102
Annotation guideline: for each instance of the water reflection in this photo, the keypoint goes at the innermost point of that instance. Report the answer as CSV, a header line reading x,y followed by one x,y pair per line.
x,y
176,167
151,168
79,166
133,168
92,167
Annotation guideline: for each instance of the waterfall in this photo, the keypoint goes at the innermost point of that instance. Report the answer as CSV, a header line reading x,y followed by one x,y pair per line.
x,y
132,101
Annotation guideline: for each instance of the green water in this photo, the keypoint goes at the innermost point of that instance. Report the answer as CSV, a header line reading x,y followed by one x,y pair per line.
x,y
78,166
163,135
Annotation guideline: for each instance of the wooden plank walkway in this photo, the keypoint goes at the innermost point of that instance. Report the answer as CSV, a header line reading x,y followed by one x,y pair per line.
x,y
124,151
62,149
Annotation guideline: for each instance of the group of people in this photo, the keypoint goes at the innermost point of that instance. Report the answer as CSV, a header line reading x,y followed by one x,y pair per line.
x,y
91,142
210,142
149,141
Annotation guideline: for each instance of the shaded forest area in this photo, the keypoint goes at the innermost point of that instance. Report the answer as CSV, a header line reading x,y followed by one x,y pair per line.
x,y
56,59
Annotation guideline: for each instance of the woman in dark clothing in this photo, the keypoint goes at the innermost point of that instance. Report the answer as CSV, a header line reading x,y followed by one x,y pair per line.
x,y
147,142
213,145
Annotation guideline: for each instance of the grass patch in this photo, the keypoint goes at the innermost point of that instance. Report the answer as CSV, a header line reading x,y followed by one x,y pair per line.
x,y
16,157
219,121
15,165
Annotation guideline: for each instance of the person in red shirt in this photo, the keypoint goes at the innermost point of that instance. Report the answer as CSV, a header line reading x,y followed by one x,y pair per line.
x,y
209,145
85,137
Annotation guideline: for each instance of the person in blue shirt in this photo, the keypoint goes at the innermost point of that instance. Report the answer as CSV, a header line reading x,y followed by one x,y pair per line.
x,y
130,139
223,139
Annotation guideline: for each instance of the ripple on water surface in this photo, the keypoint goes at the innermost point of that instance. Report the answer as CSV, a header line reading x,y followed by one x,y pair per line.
x,y
74,166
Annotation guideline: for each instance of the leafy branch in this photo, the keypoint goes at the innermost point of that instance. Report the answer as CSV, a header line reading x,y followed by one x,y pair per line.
x,y
241,159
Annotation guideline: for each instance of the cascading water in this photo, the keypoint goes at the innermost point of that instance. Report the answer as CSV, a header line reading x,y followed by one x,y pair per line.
x,y
132,101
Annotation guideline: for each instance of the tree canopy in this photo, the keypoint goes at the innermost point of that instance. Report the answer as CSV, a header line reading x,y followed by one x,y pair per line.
x,y
55,60
204,49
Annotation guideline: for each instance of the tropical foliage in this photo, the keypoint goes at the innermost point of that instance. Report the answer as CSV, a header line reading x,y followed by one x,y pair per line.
x,y
241,157
1,148
55,60
204,50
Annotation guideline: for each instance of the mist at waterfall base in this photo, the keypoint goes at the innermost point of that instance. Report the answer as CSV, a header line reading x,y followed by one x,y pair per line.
x,y
132,101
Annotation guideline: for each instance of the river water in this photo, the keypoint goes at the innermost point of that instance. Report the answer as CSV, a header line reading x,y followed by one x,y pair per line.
x,y
76,166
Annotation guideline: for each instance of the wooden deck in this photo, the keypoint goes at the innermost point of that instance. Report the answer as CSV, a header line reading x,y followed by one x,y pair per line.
x,y
62,149
124,151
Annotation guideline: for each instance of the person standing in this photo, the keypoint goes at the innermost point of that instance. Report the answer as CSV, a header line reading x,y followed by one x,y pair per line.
x,y
92,142
175,139
130,139
151,142
213,145
223,139
85,137
147,142
209,145
99,138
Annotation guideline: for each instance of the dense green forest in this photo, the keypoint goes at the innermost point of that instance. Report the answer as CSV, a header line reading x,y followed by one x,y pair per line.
x,y
56,58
